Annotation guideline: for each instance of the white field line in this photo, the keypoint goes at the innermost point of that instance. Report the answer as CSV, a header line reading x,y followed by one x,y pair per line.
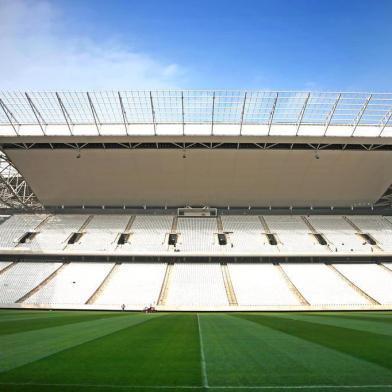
x,y
202,356
261,387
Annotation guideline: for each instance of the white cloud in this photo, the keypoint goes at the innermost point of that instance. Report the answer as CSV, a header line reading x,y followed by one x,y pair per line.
x,y
38,52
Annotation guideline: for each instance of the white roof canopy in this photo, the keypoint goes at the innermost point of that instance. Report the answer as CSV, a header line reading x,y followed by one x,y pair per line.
x,y
196,112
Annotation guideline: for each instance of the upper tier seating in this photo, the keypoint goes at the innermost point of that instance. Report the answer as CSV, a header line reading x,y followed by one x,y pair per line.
x,y
246,234
21,278
320,285
196,285
371,278
74,284
148,234
198,235
339,233
133,284
379,227
293,234
101,233
55,232
16,226
260,284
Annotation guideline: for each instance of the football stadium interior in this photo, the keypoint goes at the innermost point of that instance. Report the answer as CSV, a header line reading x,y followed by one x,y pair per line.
x,y
245,219
196,200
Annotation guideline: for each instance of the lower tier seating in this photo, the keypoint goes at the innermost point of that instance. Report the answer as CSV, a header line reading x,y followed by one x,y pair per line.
x,y
186,285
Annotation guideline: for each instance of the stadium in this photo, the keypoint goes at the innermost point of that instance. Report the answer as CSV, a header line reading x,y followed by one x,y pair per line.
x,y
195,239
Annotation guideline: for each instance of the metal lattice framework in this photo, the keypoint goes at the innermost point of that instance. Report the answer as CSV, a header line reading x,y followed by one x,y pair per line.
x,y
198,112
386,199
14,190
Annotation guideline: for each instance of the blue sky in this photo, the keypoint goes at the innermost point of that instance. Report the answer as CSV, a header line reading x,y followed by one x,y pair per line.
x,y
282,44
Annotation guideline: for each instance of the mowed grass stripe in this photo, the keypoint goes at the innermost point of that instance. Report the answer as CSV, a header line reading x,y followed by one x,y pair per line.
x,y
94,387
50,319
163,351
367,346
378,326
240,352
25,347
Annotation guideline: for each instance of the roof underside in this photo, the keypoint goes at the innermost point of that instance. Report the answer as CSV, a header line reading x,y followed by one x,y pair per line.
x,y
196,112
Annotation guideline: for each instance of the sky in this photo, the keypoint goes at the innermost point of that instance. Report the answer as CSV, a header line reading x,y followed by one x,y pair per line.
x,y
312,45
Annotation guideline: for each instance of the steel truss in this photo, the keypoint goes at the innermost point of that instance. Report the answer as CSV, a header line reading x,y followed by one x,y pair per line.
x,y
386,199
148,145
14,189
169,112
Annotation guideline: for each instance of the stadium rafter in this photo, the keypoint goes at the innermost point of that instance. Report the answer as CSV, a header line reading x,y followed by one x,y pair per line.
x,y
196,113
14,189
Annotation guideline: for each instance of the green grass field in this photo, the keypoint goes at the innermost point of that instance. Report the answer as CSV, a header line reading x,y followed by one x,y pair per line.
x,y
103,351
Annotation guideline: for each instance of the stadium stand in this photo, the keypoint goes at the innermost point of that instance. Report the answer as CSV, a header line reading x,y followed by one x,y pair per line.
x,y
340,234
134,285
148,234
246,234
371,278
378,227
198,235
196,285
75,284
321,286
260,284
4,264
56,231
101,233
16,226
293,234
21,278
196,200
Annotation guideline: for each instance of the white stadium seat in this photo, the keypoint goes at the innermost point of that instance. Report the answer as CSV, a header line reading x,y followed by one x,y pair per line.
x,y
21,278
260,284
196,285
133,284
148,234
198,235
74,284
371,278
320,285
16,226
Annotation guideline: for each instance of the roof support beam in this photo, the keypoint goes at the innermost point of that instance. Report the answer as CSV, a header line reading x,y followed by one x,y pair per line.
x,y
11,118
95,115
66,115
272,113
242,113
361,113
37,114
14,190
331,113
301,115
124,113
385,121
212,113
153,114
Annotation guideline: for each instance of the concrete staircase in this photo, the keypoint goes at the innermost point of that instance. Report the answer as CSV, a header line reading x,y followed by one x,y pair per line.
x,y
231,297
7,267
353,286
165,285
103,285
302,300
42,284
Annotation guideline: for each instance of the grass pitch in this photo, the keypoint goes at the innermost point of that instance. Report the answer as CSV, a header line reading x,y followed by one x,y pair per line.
x,y
104,351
